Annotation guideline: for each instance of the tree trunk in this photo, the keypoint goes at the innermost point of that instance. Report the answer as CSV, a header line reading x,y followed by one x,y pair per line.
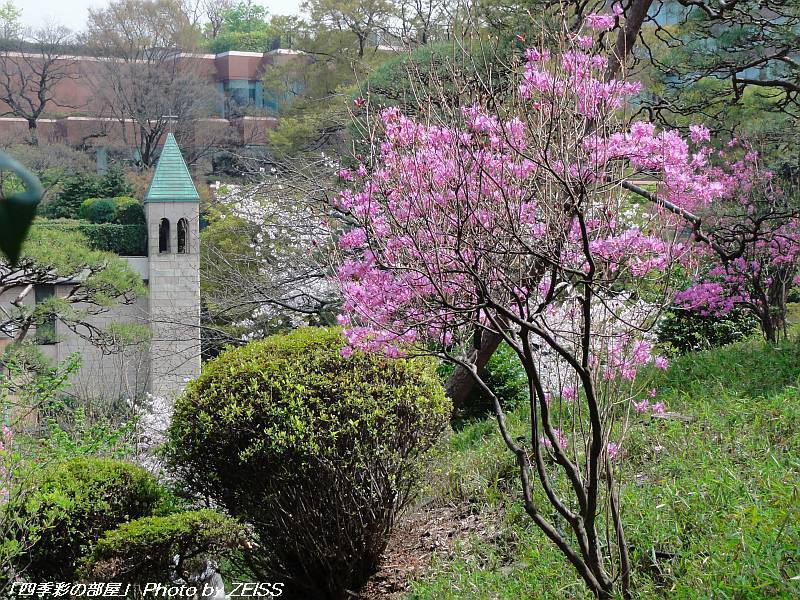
x,y
626,37
768,327
460,383
777,294
33,138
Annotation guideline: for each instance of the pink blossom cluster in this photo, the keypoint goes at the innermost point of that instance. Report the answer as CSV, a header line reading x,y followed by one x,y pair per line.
x,y
612,449
643,253
437,212
446,207
644,406
626,355
561,439
575,81
763,243
569,393
685,177
604,21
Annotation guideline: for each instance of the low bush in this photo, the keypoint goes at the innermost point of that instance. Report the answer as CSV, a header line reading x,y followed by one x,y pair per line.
x,y
77,501
98,210
682,331
315,451
145,550
77,188
129,211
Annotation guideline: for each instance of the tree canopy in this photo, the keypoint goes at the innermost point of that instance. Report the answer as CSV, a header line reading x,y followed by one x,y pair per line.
x,y
93,282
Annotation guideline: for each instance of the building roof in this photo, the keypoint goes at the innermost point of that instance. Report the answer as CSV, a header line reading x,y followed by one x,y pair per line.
x,y
171,182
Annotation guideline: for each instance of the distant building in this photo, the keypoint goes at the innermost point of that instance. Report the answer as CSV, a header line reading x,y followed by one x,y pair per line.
x,y
74,117
164,363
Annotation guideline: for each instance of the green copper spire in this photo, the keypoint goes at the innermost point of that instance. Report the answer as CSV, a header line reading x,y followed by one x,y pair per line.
x,y
171,181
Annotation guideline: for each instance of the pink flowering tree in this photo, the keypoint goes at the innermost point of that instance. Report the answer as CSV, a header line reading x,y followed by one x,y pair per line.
x,y
751,247
514,221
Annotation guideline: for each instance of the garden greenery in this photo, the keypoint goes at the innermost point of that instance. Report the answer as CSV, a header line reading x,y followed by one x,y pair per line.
x,y
145,550
508,220
315,451
124,240
81,186
77,501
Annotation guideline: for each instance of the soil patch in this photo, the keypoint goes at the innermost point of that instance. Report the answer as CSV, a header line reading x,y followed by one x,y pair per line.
x,y
416,538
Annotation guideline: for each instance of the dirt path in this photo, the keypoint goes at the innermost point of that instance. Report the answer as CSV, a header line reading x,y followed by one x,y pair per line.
x,y
417,537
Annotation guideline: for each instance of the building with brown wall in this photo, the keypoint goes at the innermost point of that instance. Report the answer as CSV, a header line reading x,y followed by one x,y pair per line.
x,y
76,114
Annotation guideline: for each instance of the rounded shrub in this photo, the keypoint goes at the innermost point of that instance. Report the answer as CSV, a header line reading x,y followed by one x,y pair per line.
x,y
681,331
98,210
315,451
144,550
76,502
129,211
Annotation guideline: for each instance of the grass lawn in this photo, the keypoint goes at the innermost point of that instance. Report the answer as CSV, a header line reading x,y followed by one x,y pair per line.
x,y
711,506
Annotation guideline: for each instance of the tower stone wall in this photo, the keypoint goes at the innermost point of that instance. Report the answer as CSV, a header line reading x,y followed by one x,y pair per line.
x,y
174,274
174,300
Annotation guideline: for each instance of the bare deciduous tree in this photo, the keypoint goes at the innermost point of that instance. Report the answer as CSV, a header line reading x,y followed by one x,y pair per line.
x,y
362,18
30,72
149,83
264,257
423,21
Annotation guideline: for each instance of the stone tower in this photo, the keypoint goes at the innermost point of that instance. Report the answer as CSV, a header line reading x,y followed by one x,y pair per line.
x,y
172,207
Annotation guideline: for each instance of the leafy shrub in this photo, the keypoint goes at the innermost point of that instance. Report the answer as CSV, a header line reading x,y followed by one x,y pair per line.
x,y
73,192
143,550
98,210
129,211
125,240
682,331
317,452
16,532
79,500
81,186
114,184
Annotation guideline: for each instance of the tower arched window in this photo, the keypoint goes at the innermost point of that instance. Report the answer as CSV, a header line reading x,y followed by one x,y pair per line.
x,y
163,236
183,236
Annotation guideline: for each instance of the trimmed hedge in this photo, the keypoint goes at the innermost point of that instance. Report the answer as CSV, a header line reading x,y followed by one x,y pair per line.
x,y
76,503
143,550
315,451
125,240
